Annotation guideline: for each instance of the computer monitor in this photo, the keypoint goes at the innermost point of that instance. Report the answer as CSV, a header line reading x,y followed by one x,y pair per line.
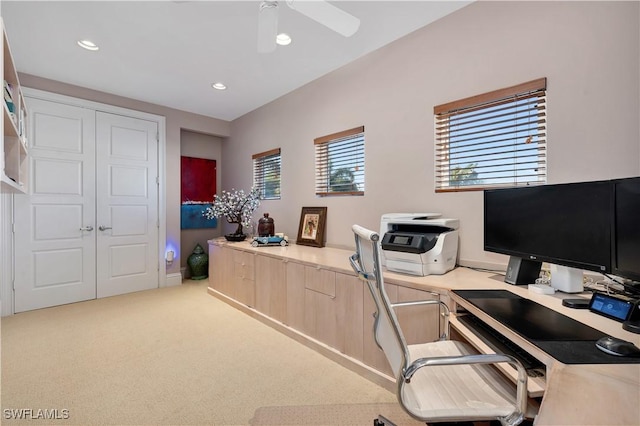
x,y
563,224
626,247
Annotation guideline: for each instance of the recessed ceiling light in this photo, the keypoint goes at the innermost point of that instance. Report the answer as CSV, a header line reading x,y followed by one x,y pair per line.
x,y
219,86
87,44
283,39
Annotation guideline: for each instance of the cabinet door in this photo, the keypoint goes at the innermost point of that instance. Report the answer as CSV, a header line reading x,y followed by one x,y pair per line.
x,y
419,323
221,269
295,295
349,295
243,277
271,287
321,306
372,354
215,266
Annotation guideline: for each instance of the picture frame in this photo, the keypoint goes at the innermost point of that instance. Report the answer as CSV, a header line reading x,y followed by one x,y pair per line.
x,y
311,231
197,189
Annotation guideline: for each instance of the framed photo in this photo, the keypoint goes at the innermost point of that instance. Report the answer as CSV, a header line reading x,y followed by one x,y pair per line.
x,y
313,221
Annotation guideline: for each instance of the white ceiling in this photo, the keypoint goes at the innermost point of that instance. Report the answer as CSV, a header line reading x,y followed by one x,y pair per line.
x,y
169,52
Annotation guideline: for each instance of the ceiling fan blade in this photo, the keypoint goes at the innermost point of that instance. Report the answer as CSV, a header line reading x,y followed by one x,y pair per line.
x,y
267,26
328,15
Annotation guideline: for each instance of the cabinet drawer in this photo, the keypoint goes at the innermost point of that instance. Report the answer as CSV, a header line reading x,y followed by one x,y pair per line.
x,y
244,265
320,280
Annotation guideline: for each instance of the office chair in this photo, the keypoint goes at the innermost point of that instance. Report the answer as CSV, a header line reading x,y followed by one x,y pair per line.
x,y
440,381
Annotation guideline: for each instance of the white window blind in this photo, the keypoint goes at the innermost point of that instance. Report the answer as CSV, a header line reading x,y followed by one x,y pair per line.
x,y
492,140
266,174
340,163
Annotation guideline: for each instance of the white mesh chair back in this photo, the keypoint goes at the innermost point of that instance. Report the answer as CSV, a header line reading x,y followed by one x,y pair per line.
x,y
443,380
387,333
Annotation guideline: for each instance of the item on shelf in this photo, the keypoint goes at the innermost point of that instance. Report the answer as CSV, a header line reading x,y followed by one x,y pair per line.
x,y
237,207
8,91
266,226
278,240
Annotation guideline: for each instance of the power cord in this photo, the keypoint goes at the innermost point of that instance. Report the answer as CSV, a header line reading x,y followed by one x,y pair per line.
x,y
629,289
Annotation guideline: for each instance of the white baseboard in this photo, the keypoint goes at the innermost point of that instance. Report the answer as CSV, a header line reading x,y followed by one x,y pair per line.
x,y
174,279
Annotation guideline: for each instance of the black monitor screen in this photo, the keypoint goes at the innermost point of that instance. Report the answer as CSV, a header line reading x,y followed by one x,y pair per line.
x,y
626,261
564,224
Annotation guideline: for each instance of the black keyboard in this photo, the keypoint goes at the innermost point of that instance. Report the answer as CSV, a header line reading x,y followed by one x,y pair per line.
x,y
500,344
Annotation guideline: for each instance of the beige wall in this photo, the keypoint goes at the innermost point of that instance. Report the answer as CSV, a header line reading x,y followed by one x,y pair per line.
x,y
588,51
198,145
175,122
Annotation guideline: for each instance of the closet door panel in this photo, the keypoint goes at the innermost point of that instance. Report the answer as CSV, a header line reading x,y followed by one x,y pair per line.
x,y
127,200
55,238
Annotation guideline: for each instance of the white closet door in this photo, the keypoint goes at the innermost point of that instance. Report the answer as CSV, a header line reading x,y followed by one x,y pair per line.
x,y
127,204
55,235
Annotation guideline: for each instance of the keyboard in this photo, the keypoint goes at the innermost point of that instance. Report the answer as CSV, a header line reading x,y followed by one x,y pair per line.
x,y
500,344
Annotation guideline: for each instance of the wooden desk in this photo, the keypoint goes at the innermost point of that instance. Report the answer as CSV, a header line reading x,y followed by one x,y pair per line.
x,y
603,394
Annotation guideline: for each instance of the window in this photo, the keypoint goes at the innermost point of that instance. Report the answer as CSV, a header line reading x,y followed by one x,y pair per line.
x,y
492,140
266,174
340,163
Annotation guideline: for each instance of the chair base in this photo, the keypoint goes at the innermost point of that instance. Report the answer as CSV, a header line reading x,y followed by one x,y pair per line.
x,y
383,421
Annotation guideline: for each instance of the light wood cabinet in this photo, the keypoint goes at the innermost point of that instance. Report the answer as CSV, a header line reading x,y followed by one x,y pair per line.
x,y
14,163
419,323
221,269
321,306
271,287
244,289
295,279
350,319
325,305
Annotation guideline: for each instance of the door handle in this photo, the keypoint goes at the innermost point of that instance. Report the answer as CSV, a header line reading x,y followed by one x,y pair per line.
x,y
87,228
103,228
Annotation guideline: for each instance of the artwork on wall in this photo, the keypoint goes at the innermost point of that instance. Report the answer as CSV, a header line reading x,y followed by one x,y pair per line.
x,y
312,225
197,188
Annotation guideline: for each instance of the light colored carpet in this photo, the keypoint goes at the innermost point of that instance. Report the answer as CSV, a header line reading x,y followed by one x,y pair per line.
x,y
169,356
335,415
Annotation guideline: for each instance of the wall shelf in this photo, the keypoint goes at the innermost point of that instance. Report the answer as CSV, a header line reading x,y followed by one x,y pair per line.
x,y
14,162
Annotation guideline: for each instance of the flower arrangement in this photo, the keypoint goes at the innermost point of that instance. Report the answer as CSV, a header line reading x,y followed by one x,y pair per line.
x,y
236,206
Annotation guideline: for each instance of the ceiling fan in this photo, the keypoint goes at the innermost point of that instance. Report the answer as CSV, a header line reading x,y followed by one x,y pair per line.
x,y
320,11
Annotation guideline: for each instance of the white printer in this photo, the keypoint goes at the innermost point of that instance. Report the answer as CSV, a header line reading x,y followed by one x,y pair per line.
x,y
419,243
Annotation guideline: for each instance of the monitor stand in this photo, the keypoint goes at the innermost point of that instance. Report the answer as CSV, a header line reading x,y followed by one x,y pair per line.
x,y
566,279
522,271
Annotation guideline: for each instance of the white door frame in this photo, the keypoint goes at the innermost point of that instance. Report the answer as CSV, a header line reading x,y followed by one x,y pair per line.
x,y
7,305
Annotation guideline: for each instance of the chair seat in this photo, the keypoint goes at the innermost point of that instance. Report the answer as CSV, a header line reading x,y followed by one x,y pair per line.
x,y
448,393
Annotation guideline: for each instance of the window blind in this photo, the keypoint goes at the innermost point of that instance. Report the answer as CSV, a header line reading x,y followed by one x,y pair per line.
x,y
340,163
266,174
492,140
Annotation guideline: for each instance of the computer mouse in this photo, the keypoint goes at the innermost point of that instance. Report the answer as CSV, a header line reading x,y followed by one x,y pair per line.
x,y
618,347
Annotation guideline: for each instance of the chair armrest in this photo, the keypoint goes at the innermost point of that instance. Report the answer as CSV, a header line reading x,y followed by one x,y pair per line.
x,y
353,259
445,314
521,384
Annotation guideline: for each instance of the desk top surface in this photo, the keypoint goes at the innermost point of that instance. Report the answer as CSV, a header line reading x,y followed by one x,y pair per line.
x,y
565,339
